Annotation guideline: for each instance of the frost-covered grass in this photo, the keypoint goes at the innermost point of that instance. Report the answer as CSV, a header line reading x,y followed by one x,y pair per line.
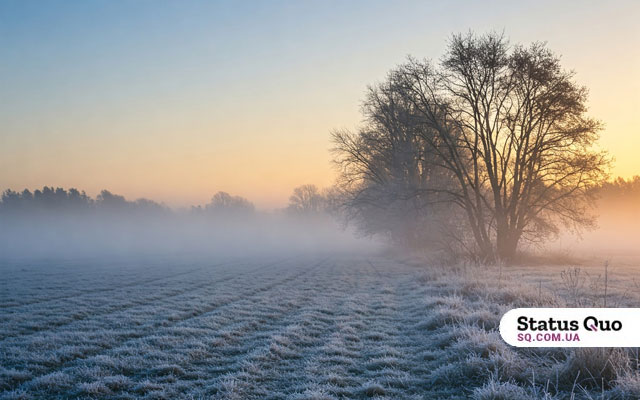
x,y
356,326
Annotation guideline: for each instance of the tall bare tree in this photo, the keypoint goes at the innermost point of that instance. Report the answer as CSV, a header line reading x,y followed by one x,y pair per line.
x,y
510,126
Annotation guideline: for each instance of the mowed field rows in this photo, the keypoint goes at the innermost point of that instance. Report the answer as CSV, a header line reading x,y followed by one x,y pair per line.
x,y
244,328
303,327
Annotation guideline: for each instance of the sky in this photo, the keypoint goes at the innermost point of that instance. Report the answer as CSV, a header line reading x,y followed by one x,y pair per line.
x,y
176,100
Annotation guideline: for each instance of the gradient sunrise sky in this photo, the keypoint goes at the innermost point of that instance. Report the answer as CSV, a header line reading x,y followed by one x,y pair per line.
x,y
175,100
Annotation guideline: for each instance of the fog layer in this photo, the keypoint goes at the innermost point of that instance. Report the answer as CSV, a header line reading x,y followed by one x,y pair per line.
x,y
59,223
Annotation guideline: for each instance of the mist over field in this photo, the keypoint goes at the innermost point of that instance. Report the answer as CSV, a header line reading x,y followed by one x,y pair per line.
x,y
55,226
617,230
51,224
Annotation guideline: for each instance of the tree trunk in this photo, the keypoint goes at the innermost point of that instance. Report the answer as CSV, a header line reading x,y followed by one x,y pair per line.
x,y
485,247
506,244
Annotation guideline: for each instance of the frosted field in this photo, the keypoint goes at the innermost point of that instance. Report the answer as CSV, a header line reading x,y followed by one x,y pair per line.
x,y
317,327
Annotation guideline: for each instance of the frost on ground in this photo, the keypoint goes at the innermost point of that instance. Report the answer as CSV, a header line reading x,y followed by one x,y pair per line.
x,y
295,328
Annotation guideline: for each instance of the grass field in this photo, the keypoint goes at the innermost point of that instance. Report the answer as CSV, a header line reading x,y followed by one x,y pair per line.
x,y
305,327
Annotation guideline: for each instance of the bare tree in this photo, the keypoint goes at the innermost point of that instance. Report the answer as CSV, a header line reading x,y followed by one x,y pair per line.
x,y
509,125
306,199
224,203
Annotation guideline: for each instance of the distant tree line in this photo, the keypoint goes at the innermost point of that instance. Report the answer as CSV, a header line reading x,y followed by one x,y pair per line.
x,y
619,201
59,200
306,200
622,189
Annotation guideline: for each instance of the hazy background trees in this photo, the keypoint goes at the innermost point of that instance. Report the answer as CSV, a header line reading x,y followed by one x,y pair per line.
x,y
308,200
56,222
47,199
498,132
57,203
618,209
224,205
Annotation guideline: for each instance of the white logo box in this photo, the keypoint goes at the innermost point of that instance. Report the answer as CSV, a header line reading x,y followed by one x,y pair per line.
x,y
571,327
